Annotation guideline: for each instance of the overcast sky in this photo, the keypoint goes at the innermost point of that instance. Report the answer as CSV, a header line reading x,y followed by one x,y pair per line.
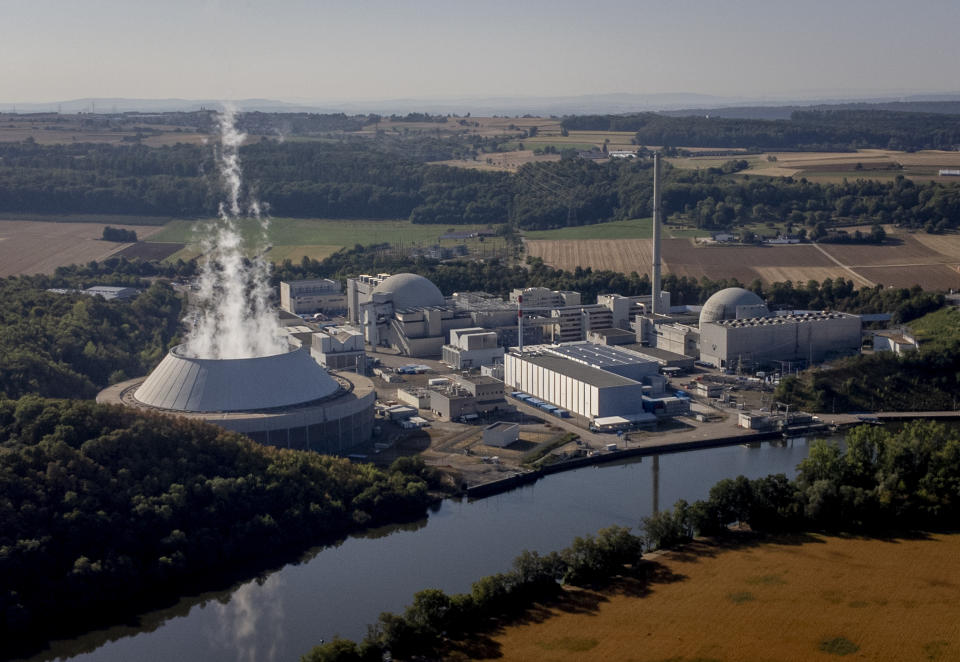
x,y
375,49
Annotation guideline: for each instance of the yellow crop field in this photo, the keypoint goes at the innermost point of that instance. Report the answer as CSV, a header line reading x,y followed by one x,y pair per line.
x,y
623,255
796,599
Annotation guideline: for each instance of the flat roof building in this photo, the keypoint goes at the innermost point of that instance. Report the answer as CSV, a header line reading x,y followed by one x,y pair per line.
x,y
813,337
582,389
317,295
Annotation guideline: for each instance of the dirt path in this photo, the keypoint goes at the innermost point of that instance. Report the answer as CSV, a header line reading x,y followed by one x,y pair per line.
x,y
856,277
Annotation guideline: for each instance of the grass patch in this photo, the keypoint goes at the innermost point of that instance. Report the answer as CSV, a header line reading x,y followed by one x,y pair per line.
x,y
838,646
569,644
740,597
319,237
543,450
105,219
296,253
941,326
560,145
767,580
636,228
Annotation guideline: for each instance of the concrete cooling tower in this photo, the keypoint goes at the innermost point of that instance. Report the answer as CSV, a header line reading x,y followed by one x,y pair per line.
x,y
284,399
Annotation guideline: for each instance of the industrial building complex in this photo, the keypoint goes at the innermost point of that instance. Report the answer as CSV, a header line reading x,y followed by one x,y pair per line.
x,y
604,366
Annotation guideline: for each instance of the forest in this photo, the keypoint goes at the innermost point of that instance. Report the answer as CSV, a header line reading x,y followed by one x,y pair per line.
x,y
809,130
390,176
104,507
71,345
884,482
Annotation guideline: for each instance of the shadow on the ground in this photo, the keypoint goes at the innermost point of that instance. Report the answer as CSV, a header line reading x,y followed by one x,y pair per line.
x,y
640,582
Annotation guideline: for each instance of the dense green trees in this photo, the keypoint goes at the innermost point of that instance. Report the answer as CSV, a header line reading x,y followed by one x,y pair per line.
x,y
72,345
102,507
806,129
886,480
119,234
390,176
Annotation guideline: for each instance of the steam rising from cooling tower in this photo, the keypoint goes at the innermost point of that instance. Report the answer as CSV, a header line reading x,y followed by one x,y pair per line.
x,y
233,316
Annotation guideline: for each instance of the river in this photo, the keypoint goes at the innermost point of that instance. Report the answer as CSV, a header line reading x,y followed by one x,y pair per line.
x,y
341,589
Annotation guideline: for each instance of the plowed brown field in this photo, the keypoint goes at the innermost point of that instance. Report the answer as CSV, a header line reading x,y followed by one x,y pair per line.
x,y
623,255
794,600
34,247
930,261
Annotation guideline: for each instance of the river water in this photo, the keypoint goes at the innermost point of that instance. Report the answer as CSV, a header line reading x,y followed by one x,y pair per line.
x,y
341,589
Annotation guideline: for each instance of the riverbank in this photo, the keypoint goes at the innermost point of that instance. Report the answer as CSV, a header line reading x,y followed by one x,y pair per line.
x,y
693,440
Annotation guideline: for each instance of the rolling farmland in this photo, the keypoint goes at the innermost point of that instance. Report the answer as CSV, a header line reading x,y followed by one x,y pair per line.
x,y
33,247
793,599
906,260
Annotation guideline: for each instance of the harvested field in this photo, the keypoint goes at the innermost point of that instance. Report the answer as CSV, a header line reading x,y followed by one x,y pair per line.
x,y
928,276
796,598
801,275
742,262
903,250
623,255
501,160
32,247
150,251
925,260
945,244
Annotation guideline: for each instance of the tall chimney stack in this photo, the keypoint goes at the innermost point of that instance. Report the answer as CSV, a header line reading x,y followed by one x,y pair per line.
x,y
520,321
655,302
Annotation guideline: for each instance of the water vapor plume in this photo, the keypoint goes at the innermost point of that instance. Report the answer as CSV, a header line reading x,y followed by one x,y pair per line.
x,y
233,317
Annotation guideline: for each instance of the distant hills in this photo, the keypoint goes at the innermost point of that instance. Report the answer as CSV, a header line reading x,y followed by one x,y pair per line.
x,y
678,104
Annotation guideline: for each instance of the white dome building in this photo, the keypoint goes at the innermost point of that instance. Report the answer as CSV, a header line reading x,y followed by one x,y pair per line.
x,y
406,312
732,303
410,291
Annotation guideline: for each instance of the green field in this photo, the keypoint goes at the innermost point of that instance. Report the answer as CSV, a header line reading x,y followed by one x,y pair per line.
x,y
322,232
293,238
559,143
635,228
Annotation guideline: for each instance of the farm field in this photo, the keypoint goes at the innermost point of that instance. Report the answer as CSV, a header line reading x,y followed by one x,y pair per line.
x,y
792,599
636,228
294,238
33,247
834,167
623,255
55,129
500,160
906,261
323,231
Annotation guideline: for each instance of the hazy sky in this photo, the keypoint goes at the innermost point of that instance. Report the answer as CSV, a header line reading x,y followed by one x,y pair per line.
x,y
373,49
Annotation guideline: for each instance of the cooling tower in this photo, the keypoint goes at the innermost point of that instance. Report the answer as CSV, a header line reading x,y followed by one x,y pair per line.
x,y
284,399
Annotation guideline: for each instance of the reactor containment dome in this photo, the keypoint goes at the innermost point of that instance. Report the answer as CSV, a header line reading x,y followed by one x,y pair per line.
x,y
410,291
731,303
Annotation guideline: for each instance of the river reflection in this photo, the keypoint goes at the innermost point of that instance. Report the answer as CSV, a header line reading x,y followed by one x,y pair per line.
x,y
341,589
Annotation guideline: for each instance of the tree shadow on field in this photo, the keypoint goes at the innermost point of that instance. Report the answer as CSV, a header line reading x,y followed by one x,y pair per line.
x,y
638,583
709,548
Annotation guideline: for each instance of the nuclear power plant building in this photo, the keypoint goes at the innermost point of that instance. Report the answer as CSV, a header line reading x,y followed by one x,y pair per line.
x,y
811,337
284,399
